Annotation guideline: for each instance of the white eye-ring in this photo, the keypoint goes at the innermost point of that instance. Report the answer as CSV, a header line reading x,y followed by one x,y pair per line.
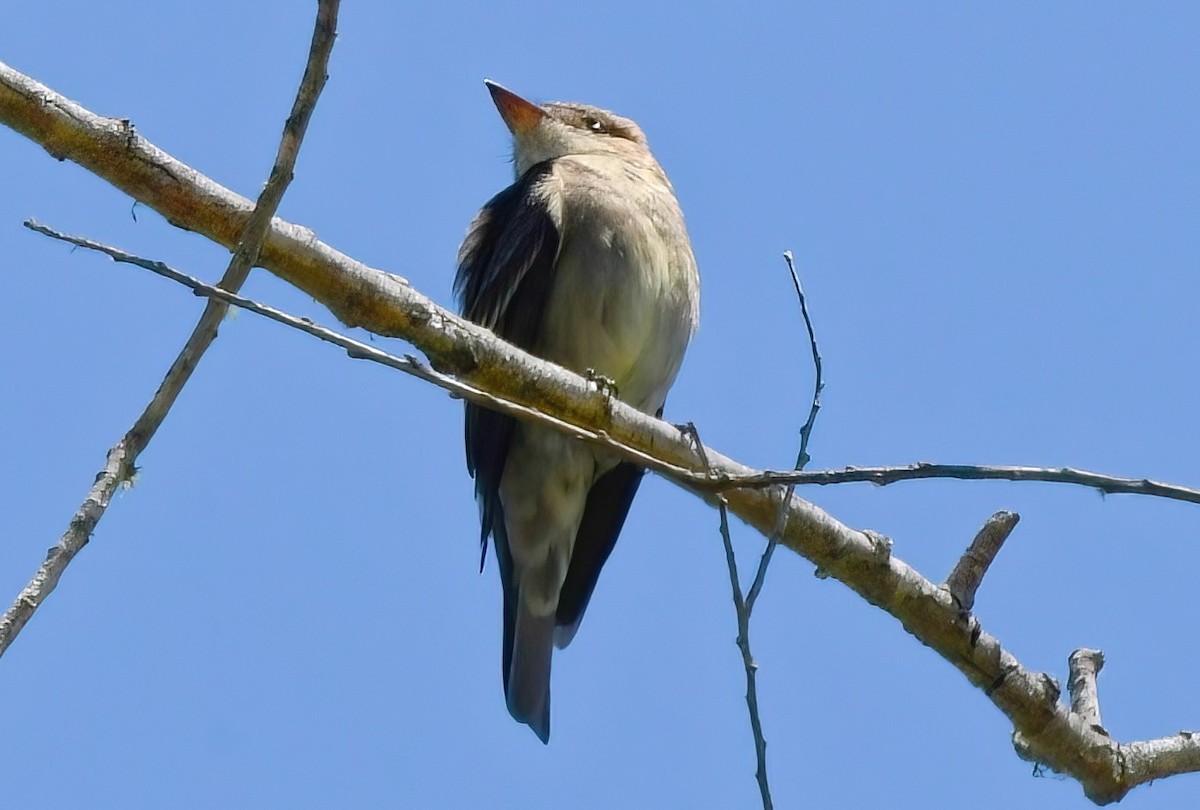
x,y
593,124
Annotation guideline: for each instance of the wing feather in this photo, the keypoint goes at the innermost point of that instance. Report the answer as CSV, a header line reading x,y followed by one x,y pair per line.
x,y
505,271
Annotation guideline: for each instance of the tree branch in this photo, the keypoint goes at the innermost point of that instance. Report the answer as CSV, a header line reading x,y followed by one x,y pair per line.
x,y
882,476
744,605
120,463
967,575
1085,666
387,305
742,611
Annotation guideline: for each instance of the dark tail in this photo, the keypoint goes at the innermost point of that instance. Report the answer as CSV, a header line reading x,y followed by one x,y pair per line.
x,y
528,683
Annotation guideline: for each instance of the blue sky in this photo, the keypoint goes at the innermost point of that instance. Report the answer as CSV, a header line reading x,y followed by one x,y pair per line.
x,y
994,209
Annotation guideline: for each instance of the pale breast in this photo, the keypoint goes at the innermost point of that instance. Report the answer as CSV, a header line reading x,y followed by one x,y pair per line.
x,y
626,294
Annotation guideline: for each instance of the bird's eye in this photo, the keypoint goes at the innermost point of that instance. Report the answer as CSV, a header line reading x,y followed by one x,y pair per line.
x,y
593,124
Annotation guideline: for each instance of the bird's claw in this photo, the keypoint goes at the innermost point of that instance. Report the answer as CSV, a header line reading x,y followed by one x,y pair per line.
x,y
688,431
605,385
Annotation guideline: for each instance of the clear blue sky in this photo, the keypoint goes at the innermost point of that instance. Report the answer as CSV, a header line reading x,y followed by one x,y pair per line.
x,y
995,211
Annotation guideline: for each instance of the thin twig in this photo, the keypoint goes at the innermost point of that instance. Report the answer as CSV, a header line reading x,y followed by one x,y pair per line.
x,y
882,476
802,457
760,575
745,606
363,351
818,374
742,610
120,463
749,665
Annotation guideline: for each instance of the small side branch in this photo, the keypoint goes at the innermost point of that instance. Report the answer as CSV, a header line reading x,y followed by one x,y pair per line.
x,y
742,610
969,572
1121,766
1145,761
120,464
802,457
745,605
1085,664
749,665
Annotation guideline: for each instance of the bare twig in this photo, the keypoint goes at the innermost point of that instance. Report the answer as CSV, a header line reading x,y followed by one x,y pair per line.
x,y
882,476
748,664
742,611
973,565
386,305
818,373
1084,712
745,606
802,457
121,460
760,574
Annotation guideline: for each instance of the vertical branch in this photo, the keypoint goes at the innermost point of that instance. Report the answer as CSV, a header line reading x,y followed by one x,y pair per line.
x,y
743,642
743,636
1085,664
802,457
745,605
120,463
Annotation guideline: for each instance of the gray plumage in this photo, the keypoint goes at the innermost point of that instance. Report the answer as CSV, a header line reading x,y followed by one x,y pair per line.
x,y
585,261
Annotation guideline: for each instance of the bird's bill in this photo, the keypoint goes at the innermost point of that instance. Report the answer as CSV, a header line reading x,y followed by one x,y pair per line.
x,y
520,116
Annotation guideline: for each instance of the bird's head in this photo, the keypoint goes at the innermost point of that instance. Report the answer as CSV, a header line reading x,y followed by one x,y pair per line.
x,y
546,131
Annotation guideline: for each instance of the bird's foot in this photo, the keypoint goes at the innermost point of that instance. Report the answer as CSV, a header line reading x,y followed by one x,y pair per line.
x,y
605,385
689,432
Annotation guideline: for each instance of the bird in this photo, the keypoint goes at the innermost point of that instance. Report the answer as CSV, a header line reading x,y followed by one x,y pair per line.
x,y
584,261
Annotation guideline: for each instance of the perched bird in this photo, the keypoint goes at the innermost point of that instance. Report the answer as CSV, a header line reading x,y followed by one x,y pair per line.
x,y
585,261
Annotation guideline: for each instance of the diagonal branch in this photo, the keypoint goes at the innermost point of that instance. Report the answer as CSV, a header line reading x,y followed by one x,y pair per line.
x,y
120,463
387,305
967,575
358,350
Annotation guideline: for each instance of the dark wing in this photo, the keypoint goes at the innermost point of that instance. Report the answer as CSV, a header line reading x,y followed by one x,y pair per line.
x,y
506,263
505,269
607,505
